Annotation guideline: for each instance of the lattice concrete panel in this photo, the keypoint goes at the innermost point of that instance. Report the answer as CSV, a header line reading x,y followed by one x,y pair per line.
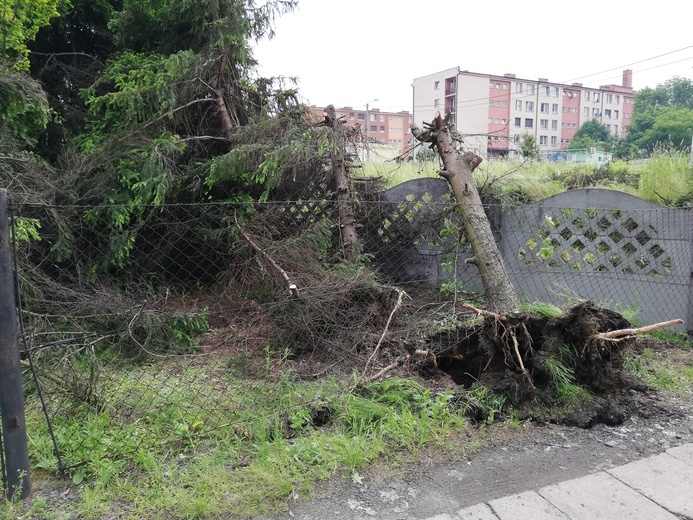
x,y
417,235
606,246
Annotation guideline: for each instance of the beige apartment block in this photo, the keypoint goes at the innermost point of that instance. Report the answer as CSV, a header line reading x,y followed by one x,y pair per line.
x,y
493,112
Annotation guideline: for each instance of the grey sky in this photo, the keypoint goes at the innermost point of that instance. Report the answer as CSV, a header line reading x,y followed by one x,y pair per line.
x,y
352,52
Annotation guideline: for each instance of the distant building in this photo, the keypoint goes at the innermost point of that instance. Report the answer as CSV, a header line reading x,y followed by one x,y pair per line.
x,y
494,112
384,128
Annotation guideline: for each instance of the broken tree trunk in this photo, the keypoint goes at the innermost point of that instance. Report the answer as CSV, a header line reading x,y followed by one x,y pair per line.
x,y
224,115
457,170
347,221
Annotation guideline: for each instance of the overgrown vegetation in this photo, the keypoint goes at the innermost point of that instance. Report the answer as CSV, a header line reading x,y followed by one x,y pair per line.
x,y
665,178
136,141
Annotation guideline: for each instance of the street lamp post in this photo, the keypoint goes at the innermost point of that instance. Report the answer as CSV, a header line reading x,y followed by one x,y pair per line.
x,y
368,118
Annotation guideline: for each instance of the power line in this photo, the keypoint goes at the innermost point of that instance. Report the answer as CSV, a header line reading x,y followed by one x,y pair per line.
x,y
470,103
634,63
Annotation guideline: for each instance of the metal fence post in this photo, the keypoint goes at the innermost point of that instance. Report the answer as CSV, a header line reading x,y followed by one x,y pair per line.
x,y
11,390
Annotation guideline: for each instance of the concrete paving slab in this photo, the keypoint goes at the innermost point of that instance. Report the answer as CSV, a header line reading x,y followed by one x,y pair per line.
x,y
663,478
525,506
477,512
601,496
684,453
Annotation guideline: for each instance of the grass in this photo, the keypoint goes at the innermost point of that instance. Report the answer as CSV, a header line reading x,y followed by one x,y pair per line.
x,y
664,178
657,369
267,447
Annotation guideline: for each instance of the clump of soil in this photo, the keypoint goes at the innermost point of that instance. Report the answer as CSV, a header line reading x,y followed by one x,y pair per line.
x,y
527,357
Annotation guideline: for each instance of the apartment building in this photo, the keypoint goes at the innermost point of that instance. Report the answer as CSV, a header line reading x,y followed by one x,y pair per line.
x,y
385,128
494,112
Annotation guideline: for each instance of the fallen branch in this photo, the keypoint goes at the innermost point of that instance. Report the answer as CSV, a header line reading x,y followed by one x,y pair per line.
x,y
619,335
293,288
389,368
387,326
486,314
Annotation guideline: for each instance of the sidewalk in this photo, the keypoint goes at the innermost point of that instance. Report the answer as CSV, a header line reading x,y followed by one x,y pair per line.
x,y
659,487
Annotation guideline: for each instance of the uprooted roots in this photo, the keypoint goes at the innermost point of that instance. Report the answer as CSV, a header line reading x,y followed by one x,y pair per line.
x,y
517,354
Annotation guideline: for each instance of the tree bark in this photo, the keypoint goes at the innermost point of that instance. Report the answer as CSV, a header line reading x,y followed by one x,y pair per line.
x,y
457,170
347,220
224,116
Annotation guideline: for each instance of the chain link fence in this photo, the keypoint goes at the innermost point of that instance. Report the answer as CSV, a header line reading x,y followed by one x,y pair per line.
x,y
197,317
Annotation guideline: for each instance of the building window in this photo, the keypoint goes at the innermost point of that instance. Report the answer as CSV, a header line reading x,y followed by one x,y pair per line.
x,y
595,112
555,92
382,129
596,97
497,121
608,128
516,138
543,140
615,114
529,89
505,86
544,124
615,129
490,102
529,123
607,114
351,115
382,117
554,108
497,103
490,120
374,128
505,103
503,121
490,85
544,108
609,98
436,103
372,117
618,99
545,91
436,85
554,140
361,116
586,111
529,106
518,122
518,105
587,95
554,124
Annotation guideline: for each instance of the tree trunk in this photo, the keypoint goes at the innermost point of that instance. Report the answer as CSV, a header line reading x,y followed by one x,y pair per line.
x,y
224,116
457,170
347,221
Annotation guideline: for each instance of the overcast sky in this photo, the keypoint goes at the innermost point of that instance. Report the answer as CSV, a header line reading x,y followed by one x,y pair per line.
x,y
351,52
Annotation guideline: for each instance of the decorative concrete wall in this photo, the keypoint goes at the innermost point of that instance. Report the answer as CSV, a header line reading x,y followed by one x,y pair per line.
x,y
603,245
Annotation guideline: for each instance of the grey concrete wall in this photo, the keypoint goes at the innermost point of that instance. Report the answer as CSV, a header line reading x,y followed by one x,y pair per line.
x,y
610,247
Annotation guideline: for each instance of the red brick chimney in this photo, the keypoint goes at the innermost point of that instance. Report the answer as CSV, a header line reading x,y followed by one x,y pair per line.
x,y
628,78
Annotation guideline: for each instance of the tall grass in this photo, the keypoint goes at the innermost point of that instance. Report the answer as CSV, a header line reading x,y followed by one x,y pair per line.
x,y
666,177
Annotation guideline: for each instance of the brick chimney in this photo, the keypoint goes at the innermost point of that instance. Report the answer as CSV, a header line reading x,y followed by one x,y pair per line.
x,y
628,78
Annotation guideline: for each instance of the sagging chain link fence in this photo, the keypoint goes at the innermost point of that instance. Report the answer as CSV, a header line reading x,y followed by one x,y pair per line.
x,y
189,314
